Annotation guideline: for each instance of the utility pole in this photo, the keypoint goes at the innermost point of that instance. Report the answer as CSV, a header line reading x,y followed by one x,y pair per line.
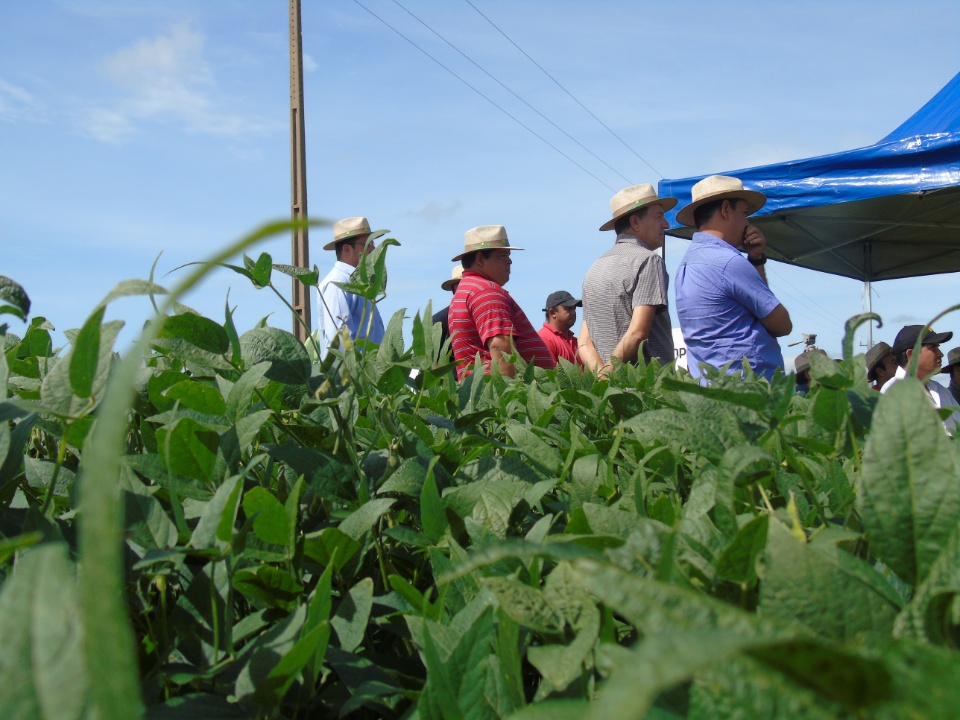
x,y
298,177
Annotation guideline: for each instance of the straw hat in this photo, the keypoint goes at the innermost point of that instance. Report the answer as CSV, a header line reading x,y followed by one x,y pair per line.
x,y
485,237
874,355
719,187
454,278
633,198
351,227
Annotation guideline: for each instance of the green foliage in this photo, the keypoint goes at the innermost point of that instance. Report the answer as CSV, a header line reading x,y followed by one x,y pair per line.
x,y
219,525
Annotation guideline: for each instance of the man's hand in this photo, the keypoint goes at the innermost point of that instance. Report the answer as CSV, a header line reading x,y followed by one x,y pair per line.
x,y
754,242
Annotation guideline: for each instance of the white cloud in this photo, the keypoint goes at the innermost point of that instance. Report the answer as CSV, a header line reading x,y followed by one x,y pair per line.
x,y
165,78
14,101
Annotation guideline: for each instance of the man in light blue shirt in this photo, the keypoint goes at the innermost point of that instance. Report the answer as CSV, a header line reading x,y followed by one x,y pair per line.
x,y
352,239
726,310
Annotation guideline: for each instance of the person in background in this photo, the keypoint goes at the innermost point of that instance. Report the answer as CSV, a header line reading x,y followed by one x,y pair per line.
x,y
880,365
726,310
802,367
928,364
484,319
352,239
442,316
556,333
952,368
625,291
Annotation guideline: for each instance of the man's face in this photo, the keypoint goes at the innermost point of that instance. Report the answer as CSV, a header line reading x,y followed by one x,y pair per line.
x,y
650,228
496,267
564,317
955,374
356,249
738,220
886,369
930,360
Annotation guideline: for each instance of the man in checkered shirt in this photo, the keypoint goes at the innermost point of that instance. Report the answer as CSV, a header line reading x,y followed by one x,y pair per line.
x,y
625,305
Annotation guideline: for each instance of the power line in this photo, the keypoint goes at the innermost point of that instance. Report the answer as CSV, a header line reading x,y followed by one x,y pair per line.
x,y
501,109
496,80
624,142
812,305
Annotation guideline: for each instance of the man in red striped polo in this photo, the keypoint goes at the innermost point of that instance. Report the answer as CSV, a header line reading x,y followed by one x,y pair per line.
x,y
483,318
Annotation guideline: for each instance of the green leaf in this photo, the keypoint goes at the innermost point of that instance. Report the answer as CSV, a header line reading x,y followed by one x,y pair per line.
x,y
41,656
535,450
197,396
219,515
13,299
259,270
129,288
909,497
307,277
350,619
197,330
188,449
268,586
830,591
432,517
288,358
361,520
230,328
738,562
56,391
86,355
526,605
270,521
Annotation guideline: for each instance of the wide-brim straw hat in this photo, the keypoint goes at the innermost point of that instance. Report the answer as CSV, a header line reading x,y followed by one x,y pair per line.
x,y
485,237
633,198
454,278
719,187
352,227
953,358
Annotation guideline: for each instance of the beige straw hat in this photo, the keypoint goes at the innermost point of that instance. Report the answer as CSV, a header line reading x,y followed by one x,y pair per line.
x,y
485,237
633,198
454,278
351,227
719,187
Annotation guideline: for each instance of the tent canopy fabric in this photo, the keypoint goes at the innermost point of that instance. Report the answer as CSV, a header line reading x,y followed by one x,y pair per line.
x,y
890,210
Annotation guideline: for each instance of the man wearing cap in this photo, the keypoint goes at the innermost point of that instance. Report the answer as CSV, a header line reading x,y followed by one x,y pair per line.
x,y
443,316
952,368
726,310
880,365
561,313
625,290
928,364
484,319
352,239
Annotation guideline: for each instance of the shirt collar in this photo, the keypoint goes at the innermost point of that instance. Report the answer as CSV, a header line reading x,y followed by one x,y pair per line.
x,y
712,240
629,239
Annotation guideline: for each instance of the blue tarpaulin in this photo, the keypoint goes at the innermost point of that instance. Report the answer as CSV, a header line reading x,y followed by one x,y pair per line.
x,y
890,210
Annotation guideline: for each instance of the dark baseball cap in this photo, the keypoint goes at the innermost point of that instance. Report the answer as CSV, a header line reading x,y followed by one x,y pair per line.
x,y
953,359
562,297
907,337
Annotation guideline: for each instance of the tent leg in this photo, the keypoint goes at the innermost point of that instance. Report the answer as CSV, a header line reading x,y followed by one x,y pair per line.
x,y
869,310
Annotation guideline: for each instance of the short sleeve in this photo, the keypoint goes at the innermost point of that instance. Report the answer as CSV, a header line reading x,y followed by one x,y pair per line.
x,y
746,286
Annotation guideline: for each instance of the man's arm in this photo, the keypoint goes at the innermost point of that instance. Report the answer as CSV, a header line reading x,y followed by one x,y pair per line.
x,y
500,346
588,351
639,330
778,322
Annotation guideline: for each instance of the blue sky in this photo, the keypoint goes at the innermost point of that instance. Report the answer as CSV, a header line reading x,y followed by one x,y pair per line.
x,y
130,129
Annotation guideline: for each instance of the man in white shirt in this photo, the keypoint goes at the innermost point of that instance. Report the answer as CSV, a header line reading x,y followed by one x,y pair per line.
x,y
928,364
352,239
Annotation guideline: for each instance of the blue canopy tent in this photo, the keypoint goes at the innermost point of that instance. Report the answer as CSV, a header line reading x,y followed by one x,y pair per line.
x,y
890,210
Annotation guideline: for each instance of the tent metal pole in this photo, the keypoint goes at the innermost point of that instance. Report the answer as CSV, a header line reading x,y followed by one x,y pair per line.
x,y
868,268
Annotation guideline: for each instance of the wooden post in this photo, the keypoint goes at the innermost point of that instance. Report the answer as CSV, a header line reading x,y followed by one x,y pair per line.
x,y
298,176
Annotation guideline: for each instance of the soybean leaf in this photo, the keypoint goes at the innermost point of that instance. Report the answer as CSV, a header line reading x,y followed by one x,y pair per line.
x,y
219,515
288,358
432,517
231,330
13,299
259,270
197,330
86,355
188,449
909,498
270,521
738,562
268,586
361,520
128,288
307,277
350,619
197,396
330,548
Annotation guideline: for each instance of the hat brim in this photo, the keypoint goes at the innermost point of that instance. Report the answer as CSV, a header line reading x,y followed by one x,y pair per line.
x,y
467,252
667,204
755,201
332,245
448,284
948,369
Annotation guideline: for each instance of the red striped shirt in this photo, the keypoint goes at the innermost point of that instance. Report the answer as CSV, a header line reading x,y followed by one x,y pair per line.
x,y
482,309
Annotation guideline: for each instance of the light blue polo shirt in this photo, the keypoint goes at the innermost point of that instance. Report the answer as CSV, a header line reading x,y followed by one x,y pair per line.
x,y
720,300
